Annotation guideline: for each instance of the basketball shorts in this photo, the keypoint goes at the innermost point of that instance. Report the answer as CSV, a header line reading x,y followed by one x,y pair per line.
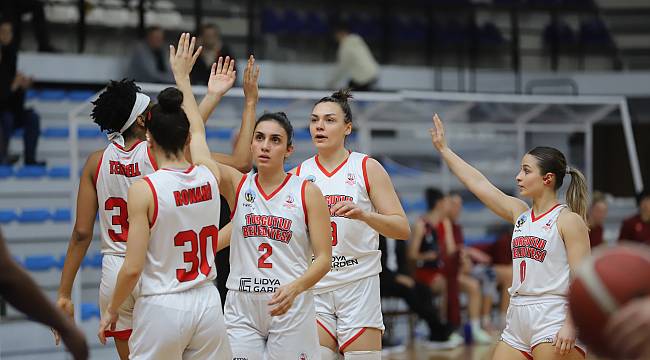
x,y
529,324
111,265
345,312
255,335
184,325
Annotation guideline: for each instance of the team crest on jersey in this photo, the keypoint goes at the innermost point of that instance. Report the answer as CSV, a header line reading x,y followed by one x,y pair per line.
x,y
350,179
548,225
303,356
311,178
289,203
249,196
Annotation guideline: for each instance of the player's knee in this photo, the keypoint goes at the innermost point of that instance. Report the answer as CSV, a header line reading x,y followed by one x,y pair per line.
x,y
363,355
328,354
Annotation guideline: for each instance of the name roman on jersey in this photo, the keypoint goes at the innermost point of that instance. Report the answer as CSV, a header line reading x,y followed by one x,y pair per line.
x,y
195,195
272,227
530,247
333,199
258,285
128,170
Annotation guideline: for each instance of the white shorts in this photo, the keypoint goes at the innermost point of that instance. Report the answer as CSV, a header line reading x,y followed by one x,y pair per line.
x,y
111,265
531,324
256,335
184,325
346,312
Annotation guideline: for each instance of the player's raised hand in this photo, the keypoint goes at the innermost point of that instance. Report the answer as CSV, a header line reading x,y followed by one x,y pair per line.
x,y
283,299
183,57
438,134
222,76
67,307
107,323
251,77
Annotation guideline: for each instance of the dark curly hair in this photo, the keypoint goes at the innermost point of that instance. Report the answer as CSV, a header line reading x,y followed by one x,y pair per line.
x,y
113,106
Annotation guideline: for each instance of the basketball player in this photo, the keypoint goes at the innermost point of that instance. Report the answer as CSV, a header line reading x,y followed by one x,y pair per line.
x,y
121,110
363,203
173,234
549,241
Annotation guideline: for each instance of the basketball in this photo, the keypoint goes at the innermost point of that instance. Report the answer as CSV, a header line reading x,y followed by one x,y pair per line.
x,y
603,284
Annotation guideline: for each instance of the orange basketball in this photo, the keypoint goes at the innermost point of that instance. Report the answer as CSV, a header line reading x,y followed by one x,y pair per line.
x,y
603,284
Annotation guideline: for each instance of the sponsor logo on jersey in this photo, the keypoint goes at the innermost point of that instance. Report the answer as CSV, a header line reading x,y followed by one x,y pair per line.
x,y
310,178
547,339
240,358
350,179
289,203
128,170
333,199
549,224
249,196
303,356
195,195
530,247
259,285
272,227
520,222
340,262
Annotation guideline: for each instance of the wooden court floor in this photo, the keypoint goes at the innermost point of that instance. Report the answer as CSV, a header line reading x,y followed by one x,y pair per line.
x,y
469,352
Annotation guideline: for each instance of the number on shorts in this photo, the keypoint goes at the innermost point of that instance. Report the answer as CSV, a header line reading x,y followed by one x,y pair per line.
x,y
268,251
335,239
198,246
522,271
120,218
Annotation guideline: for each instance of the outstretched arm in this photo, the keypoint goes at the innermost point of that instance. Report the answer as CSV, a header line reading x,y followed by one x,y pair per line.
x,y
507,207
241,158
218,86
23,294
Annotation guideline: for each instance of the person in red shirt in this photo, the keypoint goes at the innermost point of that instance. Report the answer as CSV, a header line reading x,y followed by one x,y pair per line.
x,y
596,218
637,227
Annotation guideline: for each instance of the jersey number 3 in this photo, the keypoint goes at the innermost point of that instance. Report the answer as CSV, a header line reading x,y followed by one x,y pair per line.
x,y
198,247
121,218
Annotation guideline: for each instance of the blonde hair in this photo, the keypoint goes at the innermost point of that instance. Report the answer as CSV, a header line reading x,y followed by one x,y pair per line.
x,y
577,196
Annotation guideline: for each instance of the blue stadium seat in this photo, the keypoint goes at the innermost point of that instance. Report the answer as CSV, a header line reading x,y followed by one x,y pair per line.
x,y
31,94
220,134
62,215
6,171
59,172
52,95
473,206
31,172
40,262
89,132
95,260
33,215
418,205
55,132
7,216
80,95
302,134
490,35
316,24
89,311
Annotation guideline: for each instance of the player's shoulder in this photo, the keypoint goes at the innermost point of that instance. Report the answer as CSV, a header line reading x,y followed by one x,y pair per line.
x,y
567,217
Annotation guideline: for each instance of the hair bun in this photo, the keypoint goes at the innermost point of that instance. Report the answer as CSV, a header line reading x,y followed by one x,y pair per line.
x,y
170,100
342,95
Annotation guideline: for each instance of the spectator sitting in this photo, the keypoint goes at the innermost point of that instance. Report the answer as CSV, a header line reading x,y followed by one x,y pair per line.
x,y
150,59
354,60
637,227
14,10
13,114
213,48
466,275
596,218
397,283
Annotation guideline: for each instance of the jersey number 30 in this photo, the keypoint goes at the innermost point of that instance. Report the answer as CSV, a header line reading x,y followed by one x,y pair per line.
x,y
197,256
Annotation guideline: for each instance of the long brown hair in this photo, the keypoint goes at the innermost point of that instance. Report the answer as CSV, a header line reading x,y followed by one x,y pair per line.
x,y
551,160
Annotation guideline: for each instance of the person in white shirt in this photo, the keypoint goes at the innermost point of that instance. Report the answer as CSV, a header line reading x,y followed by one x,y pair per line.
x,y
354,61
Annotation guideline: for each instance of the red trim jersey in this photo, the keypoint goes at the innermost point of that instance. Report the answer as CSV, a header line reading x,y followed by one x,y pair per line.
x,y
540,265
355,245
269,246
116,171
184,231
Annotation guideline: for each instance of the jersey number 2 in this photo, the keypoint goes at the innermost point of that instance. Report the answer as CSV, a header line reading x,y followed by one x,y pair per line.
x,y
198,246
522,271
121,219
267,251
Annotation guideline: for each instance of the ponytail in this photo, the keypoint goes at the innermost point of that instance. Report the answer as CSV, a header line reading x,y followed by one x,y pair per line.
x,y
576,195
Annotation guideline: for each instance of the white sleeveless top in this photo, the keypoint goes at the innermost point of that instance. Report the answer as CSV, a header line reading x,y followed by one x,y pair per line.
x,y
117,170
184,231
540,266
355,245
269,245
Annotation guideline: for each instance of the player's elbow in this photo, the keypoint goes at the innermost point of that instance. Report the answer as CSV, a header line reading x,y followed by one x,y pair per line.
x,y
243,165
82,234
132,271
403,231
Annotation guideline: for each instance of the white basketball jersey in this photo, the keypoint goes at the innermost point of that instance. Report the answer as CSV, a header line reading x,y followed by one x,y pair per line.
x,y
355,245
540,265
184,231
269,246
117,170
